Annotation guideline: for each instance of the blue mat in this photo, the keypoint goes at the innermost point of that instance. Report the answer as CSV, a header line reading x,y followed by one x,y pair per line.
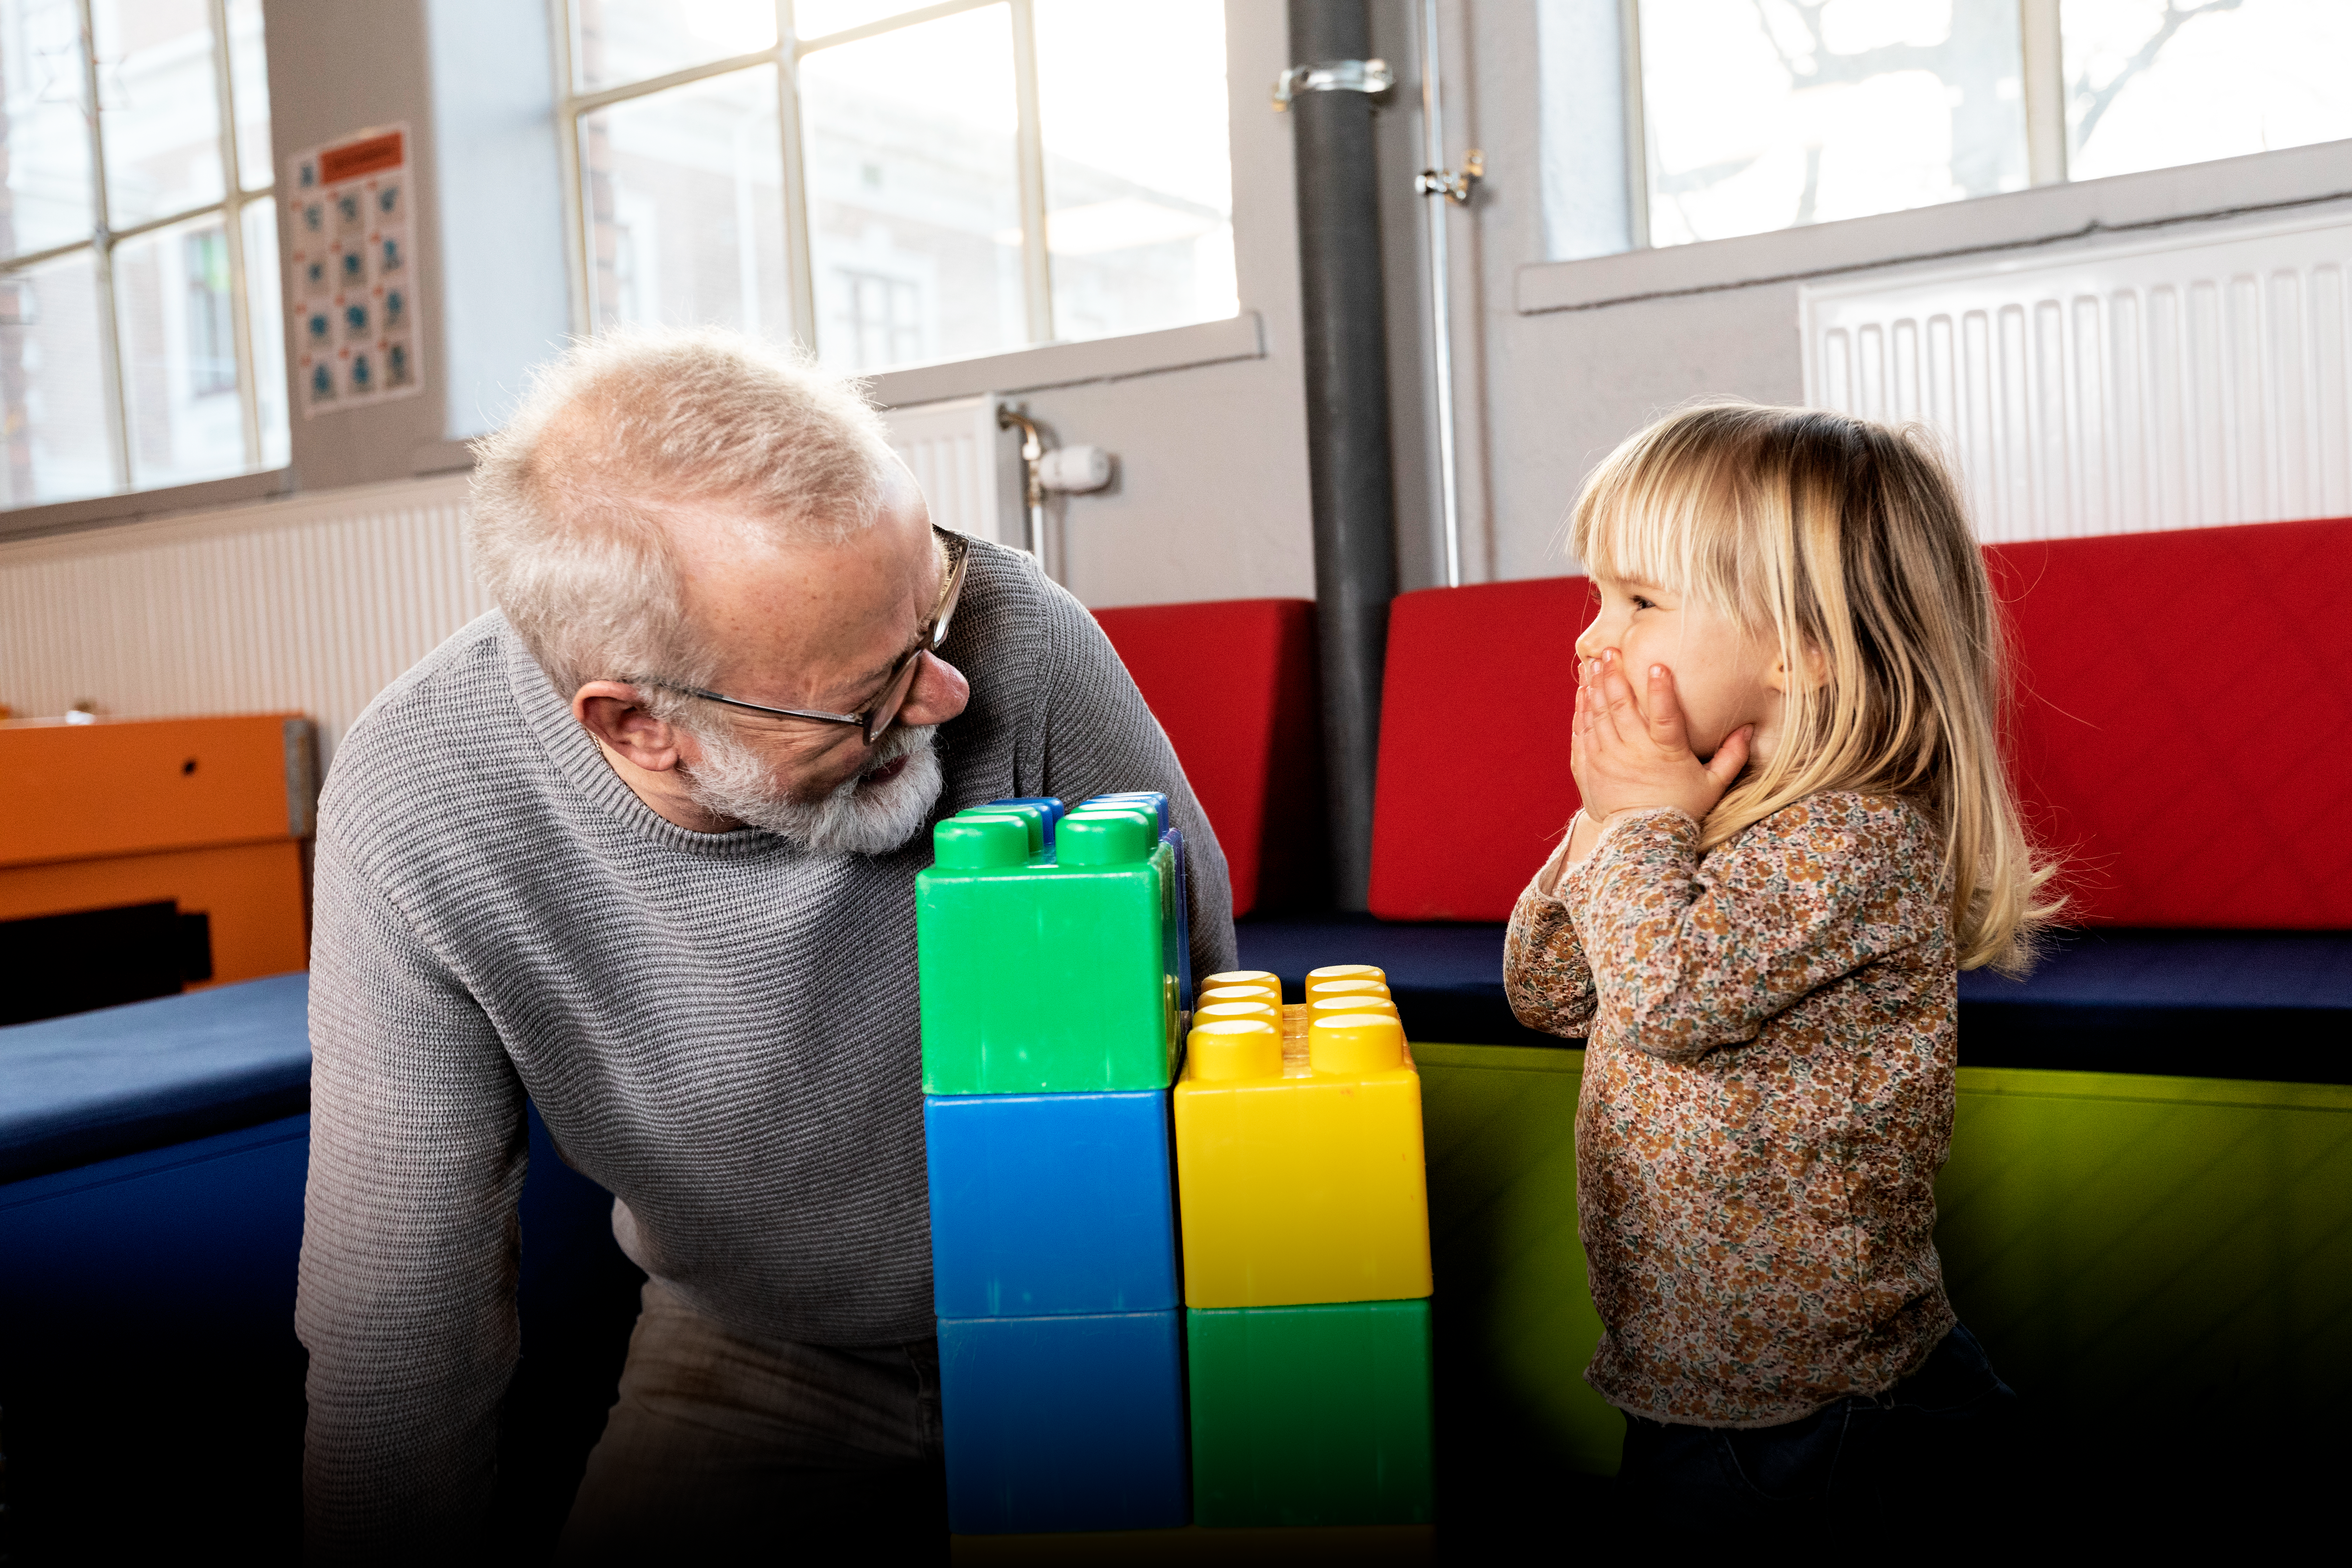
x,y
2273,1005
122,1079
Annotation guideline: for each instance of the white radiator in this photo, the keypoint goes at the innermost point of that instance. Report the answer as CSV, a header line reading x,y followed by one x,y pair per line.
x,y
2178,384
963,463
312,605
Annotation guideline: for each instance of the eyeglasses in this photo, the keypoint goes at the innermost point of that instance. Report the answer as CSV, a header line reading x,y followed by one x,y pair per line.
x,y
878,718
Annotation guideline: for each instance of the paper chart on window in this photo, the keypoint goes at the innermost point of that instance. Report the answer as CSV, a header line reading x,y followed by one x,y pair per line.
x,y
351,293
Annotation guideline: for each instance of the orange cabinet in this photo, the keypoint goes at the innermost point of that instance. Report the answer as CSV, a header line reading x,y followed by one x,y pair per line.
x,y
211,814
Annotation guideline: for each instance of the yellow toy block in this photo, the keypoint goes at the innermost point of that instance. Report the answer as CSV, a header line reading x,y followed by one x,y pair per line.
x,y
1328,1006
1213,1010
1231,988
1319,989
1299,1176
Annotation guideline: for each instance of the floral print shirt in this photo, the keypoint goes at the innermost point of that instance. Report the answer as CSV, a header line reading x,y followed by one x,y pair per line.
x,y
1768,1096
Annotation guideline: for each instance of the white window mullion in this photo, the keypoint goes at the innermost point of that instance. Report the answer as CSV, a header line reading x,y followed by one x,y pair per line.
x,y
799,278
2045,92
576,258
241,314
109,337
1637,136
1036,260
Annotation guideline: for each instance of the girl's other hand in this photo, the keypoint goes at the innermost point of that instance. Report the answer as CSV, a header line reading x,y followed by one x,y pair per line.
x,y
1632,756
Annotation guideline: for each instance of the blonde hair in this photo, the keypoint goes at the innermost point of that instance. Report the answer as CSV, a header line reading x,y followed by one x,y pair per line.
x,y
1845,542
573,497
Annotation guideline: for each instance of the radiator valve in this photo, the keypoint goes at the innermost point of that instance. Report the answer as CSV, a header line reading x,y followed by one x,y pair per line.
x,y
1074,470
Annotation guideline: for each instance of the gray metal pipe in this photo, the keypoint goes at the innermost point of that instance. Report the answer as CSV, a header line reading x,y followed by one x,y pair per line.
x,y
1346,423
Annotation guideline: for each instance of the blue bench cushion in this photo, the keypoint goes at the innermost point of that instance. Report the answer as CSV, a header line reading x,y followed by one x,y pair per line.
x,y
123,1080
2270,1005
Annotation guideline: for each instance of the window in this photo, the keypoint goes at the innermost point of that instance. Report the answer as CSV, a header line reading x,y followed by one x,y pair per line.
x,y
1733,117
2153,83
897,183
1765,114
139,306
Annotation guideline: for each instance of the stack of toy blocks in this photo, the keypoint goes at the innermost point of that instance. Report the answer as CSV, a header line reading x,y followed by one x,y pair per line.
x,y
1306,1275
1052,966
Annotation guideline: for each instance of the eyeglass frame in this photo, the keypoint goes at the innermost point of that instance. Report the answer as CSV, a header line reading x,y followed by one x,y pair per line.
x,y
878,718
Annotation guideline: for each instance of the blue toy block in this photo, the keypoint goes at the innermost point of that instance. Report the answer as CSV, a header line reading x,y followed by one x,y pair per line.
x,y
1050,805
1151,800
1065,1423
1051,1203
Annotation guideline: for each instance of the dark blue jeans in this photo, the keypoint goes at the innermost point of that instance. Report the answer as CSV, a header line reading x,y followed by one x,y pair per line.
x,y
1943,1431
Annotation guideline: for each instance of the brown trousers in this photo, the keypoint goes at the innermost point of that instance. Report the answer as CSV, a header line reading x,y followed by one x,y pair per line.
x,y
724,1448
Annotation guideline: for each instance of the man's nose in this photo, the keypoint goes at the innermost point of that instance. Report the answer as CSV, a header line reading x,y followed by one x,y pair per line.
x,y
938,694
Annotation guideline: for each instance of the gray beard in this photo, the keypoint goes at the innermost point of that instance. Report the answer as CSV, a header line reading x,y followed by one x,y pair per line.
x,y
860,817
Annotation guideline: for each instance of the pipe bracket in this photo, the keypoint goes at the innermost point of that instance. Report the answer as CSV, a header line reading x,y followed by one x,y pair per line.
x,y
1332,76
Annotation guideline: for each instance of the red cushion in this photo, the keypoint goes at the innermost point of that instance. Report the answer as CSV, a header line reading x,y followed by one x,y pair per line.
x,y
1474,779
2184,727
1233,684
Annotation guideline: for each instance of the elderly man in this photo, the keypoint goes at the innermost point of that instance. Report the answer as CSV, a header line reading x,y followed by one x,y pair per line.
x,y
642,845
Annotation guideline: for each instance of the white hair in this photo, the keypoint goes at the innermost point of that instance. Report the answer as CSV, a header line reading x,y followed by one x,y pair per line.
x,y
862,815
573,497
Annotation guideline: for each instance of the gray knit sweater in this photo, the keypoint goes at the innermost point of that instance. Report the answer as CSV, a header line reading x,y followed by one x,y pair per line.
x,y
721,1029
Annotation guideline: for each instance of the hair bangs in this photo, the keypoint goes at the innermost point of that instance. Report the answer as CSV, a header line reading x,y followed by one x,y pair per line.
x,y
1673,513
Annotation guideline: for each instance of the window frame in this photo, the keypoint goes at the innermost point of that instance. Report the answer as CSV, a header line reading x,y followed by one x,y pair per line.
x,y
784,59
105,239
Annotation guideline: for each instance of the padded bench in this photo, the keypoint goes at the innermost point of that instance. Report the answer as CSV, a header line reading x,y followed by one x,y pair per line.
x,y
152,1158
124,1080
2201,832
1233,684
2274,1006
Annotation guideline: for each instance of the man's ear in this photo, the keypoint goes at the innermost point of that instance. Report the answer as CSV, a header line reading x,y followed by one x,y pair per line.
x,y
610,711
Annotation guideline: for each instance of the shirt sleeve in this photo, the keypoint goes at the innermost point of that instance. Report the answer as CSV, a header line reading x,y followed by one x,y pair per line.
x,y
1689,955
407,1294
1100,737
1544,974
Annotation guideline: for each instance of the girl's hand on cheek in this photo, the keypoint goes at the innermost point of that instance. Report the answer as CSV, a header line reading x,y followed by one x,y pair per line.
x,y
1625,759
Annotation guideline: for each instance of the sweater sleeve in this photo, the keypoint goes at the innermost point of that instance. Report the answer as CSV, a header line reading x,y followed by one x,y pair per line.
x,y
1689,955
406,1295
1544,976
1100,737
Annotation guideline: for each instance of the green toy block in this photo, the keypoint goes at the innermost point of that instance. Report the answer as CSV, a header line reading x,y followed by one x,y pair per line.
x,y
1034,816
1311,1415
1046,974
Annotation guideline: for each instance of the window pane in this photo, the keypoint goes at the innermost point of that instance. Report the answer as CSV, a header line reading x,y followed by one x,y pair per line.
x,y
249,82
815,18
616,42
914,193
1766,114
52,400
265,309
46,142
157,107
179,354
1138,180
2153,83
684,206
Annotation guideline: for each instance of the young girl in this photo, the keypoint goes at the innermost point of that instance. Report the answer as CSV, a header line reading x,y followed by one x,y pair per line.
x,y
1796,829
